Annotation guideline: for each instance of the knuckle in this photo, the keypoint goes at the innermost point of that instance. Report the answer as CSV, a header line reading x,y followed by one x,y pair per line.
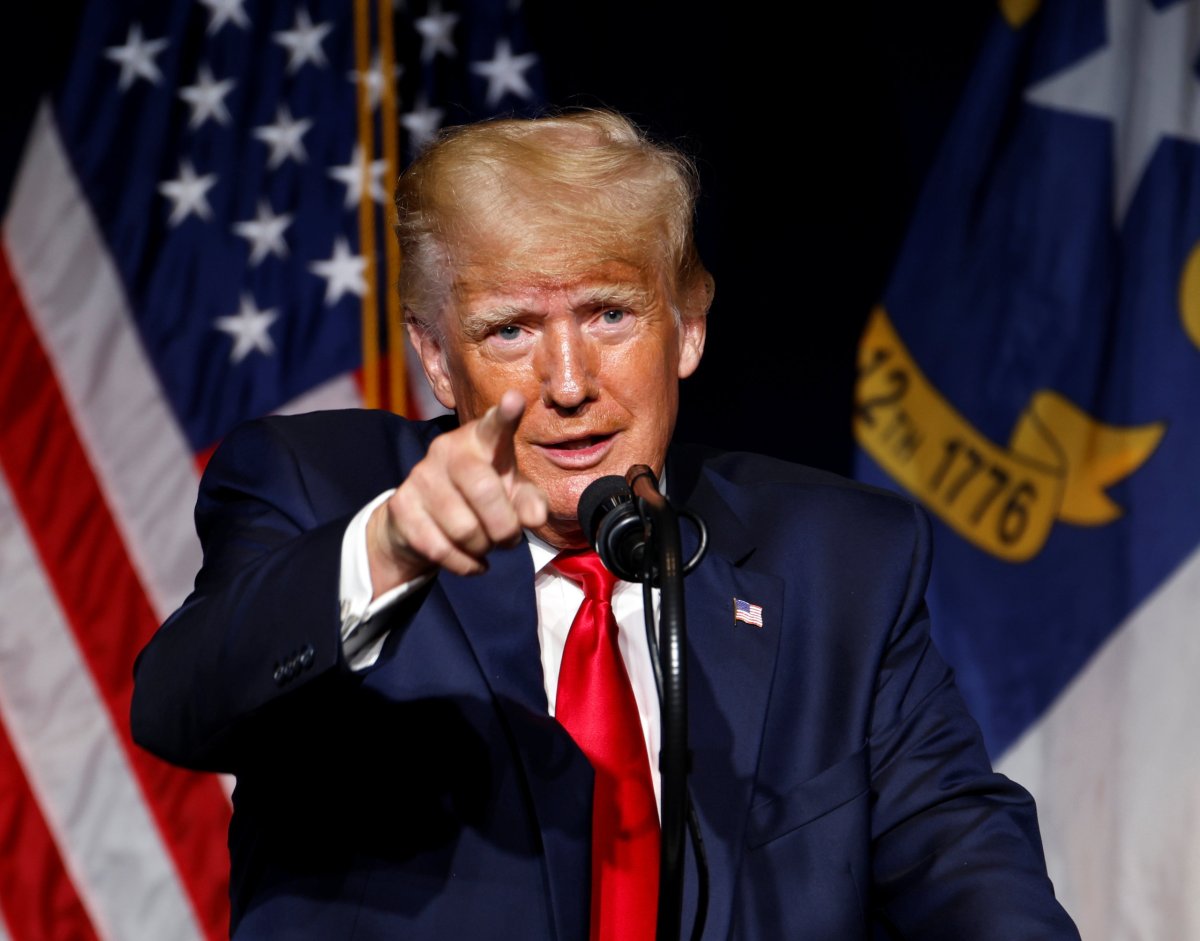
x,y
460,526
441,555
420,539
440,445
482,488
504,529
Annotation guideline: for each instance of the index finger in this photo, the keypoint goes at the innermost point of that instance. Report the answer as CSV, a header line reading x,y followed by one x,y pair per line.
x,y
495,431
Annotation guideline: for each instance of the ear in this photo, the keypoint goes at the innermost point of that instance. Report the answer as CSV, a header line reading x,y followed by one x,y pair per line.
x,y
697,298
691,343
428,344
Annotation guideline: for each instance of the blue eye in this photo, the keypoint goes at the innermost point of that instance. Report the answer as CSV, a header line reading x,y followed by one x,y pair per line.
x,y
508,332
613,316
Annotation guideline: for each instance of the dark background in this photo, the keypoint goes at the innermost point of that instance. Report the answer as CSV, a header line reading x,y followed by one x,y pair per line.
x,y
812,141
812,138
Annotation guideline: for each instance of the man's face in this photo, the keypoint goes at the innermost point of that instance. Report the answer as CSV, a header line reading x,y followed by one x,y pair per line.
x,y
596,353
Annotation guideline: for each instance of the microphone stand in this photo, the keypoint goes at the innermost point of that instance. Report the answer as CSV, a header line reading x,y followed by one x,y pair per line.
x,y
664,550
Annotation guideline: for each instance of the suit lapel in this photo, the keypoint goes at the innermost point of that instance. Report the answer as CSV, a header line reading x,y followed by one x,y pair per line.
x,y
731,664
498,615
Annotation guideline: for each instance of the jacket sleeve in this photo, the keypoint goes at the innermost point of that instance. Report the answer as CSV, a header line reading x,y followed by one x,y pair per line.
x,y
262,623
956,851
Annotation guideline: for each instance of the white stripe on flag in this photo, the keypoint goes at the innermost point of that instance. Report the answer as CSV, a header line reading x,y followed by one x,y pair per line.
x,y
339,392
1115,768
74,298
74,760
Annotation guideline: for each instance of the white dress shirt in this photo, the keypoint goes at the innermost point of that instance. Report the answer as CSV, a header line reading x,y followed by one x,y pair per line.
x,y
558,598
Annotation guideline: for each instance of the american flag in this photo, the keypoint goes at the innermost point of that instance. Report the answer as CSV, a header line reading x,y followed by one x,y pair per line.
x,y
197,234
745,611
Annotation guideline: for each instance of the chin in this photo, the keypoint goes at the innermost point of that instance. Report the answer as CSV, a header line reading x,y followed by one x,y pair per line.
x,y
564,507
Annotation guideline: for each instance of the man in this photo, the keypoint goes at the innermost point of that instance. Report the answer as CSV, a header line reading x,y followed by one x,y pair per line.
x,y
375,640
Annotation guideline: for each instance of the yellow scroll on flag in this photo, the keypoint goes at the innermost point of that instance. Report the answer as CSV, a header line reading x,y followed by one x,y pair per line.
x,y
1003,499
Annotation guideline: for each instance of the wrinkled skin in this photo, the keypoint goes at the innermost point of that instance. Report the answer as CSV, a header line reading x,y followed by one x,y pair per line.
x,y
556,381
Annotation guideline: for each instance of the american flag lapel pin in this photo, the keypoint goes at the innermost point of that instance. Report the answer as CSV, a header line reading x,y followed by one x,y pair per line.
x,y
748,613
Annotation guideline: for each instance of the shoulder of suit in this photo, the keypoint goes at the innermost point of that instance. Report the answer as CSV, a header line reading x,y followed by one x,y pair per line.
x,y
342,429
758,484
354,421
327,442
748,469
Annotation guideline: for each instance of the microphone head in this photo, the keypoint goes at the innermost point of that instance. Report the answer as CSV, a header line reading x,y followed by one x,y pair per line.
x,y
602,495
609,519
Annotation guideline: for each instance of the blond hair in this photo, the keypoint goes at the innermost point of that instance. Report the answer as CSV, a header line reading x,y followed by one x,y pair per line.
x,y
542,196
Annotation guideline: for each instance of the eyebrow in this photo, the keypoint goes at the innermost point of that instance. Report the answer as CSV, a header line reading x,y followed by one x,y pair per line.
x,y
477,324
617,294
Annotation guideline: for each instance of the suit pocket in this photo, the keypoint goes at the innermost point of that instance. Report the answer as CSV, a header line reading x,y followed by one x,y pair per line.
x,y
810,800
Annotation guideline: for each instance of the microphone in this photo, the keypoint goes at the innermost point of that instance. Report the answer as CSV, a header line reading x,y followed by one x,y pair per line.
x,y
612,521
613,527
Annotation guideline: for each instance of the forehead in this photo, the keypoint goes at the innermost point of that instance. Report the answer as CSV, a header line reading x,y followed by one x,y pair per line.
x,y
574,281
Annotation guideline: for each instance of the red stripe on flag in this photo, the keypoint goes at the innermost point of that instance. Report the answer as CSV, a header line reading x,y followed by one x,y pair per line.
x,y
204,456
85,560
36,893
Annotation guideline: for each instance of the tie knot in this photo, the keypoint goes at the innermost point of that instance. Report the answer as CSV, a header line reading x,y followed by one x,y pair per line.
x,y
586,568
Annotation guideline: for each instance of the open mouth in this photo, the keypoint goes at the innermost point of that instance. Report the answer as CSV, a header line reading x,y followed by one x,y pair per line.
x,y
583,451
579,444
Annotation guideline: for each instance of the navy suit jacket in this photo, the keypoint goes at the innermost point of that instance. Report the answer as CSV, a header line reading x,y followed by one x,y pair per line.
x,y
842,789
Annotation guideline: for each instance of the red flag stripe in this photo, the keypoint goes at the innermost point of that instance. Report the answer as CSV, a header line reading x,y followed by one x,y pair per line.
x,y
36,893
73,760
78,309
100,593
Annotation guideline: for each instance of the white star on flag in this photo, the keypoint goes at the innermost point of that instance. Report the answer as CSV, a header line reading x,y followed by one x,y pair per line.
x,y
207,98
1144,81
303,41
373,79
505,73
248,327
284,137
436,29
221,12
422,123
350,175
265,233
188,193
136,57
343,273
157,347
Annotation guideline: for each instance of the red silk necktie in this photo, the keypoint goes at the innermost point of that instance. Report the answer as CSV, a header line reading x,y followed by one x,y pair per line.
x,y
595,704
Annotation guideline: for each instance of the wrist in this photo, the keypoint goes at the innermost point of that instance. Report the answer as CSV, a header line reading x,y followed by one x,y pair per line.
x,y
390,562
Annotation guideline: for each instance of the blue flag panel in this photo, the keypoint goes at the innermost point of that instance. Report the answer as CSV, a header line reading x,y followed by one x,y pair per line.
x,y
217,143
1033,372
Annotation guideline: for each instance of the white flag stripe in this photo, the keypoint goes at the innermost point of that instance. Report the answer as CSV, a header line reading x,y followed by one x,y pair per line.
x,y
339,392
74,297
1115,768
74,760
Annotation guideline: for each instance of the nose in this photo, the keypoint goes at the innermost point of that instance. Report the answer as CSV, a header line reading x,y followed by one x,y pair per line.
x,y
567,367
